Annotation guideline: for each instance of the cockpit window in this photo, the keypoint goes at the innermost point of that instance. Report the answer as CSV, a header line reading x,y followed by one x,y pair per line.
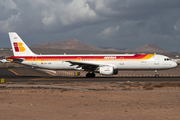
x,y
167,59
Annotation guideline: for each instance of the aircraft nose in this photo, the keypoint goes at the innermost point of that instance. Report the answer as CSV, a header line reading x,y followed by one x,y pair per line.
x,y
174,64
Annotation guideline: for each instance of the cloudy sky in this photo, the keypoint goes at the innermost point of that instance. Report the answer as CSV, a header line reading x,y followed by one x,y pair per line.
x,y
122,24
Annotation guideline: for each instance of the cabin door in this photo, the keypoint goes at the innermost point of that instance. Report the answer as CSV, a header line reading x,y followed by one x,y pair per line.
x,y
79,59
121,62
156,61
34,61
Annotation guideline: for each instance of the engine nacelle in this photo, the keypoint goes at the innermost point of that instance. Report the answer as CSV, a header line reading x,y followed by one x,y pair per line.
x,y
107,71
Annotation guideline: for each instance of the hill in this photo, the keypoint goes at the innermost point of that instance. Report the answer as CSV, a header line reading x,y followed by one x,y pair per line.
x,y
150,48
73,44
67,44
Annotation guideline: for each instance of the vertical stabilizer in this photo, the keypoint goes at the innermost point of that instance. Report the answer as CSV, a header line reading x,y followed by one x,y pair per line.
x,y
18,46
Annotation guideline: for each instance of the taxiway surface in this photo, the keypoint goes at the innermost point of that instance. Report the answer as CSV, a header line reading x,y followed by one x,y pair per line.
x,y
39,76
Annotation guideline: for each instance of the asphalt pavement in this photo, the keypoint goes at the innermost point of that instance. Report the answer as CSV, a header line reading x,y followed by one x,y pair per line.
x,y
35,75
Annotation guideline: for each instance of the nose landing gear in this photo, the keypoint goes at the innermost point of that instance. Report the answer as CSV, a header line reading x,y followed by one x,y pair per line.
x,y
90,75
156,74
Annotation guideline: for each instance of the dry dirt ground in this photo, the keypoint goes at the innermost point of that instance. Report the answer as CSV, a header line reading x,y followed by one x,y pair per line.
x,y
104,101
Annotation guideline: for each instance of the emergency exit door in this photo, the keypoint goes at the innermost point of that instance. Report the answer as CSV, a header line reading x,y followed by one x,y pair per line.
x,y
34,61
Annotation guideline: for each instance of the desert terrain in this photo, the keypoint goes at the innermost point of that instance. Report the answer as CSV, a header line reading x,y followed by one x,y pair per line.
x,y
97,100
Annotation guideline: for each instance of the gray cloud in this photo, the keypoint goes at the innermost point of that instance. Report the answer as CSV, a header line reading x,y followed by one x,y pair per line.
x,y
116,23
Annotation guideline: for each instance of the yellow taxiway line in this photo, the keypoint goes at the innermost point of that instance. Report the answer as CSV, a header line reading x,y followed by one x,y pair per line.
x,y
50,73
13,71
46,72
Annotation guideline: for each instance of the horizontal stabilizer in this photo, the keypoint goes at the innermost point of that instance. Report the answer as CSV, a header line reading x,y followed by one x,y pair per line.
x,y
15,60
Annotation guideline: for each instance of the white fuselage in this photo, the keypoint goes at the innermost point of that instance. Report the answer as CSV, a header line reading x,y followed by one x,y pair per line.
x,y
155,63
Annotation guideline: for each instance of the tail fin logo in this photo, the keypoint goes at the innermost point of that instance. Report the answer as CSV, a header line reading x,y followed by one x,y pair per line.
x,y
18,46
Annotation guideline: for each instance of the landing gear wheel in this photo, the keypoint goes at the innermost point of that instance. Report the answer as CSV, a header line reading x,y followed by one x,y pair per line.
x,y
156,75
88,75
93,75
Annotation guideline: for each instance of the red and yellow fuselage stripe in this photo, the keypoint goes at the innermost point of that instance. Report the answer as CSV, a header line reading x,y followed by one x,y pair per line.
x,y
80,58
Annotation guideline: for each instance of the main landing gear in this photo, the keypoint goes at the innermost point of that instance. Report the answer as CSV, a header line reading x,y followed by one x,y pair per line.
x,y
90,75
156,74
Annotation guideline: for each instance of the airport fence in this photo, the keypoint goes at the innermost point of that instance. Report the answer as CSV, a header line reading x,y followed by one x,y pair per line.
x,y
83,74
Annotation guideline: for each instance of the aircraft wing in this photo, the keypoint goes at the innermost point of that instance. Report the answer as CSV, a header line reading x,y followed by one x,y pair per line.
x,y
85,66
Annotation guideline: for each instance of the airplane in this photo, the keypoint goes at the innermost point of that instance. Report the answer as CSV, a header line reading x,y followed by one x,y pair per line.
x,y
105,64
4,61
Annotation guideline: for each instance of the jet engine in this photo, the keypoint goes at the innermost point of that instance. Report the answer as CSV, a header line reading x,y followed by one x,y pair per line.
x,y
107,70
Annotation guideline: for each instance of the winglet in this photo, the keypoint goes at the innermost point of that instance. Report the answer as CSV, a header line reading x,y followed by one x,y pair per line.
x,y
18,46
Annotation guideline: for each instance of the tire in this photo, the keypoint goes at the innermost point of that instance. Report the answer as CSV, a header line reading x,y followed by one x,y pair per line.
x,y
156,75
93,75
88,75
